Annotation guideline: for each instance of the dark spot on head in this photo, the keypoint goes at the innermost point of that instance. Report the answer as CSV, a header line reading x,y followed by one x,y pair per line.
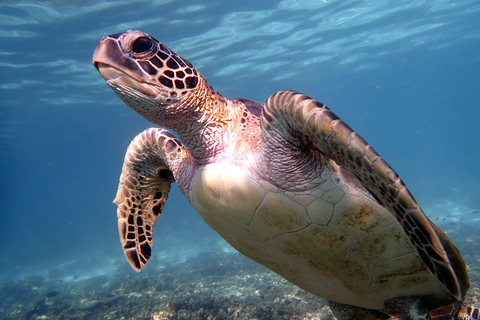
x,y
140,230
179,60
188,71
131,228
171,63
156,62
180,74
148,68
158,195
148,227
132,210
243,120
195,71
166,82
191,82
139,221
162,55
179,84
142,44
130,219
169,73
130,236
165,49
188,63
141,238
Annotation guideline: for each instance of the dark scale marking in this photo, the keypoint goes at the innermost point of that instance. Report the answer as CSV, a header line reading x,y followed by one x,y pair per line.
x,y
421,237
131,228
427,261
188,71
195,72
140,230
132,210
148,227
191,82
169,73
131,236
165,49
158,195
180,74
166,82
129,244
148,67
179,61
130,219
142,259
410,221
156,62
188,63
171,63
157,210
139,221
243,120
162,55
433,253
142,238
179,84
398,212
139,212
407,227
132,257
146,250
415,239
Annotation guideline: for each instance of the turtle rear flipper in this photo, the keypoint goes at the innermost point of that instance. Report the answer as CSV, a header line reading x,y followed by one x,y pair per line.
x,y
148,172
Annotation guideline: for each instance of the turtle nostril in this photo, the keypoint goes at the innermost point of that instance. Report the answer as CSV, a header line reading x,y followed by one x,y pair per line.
x,y
142,44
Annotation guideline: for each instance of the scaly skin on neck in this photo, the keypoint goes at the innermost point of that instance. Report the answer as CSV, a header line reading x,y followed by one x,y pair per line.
x,y
201,120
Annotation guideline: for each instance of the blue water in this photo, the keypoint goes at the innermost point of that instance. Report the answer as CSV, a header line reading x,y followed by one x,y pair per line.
x,y
403,74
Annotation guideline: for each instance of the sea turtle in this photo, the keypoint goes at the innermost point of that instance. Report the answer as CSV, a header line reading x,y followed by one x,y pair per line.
x,y
286,183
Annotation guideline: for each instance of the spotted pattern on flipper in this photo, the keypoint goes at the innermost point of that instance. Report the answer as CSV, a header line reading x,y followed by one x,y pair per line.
x,y
143,190
468,313
293,114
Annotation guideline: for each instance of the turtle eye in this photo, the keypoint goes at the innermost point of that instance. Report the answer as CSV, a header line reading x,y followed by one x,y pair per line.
x,y
141,45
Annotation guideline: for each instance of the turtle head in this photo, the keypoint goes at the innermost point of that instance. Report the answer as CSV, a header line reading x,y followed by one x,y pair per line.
x,y
144,73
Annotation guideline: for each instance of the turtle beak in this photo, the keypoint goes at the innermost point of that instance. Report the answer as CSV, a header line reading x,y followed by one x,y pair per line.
x,y
109,54
118,69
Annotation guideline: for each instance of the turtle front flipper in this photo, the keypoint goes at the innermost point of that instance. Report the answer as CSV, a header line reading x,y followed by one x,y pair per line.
x,y
151,162
304,124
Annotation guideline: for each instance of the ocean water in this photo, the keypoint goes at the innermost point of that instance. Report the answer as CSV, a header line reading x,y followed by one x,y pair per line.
x,y
404,74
